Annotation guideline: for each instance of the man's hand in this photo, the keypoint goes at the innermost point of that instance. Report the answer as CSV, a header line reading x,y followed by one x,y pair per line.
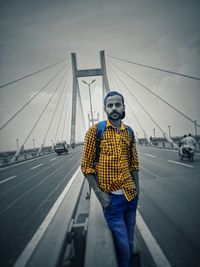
x,y
103,198
135,176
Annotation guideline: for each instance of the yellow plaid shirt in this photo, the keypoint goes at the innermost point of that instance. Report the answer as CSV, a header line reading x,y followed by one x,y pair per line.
x,y
114,167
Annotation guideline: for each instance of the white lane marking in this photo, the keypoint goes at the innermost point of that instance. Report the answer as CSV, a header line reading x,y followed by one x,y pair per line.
x,y
149,155
164,149
37,166
8,179
53,159
35,186
155,175
179,163
155,250
28,251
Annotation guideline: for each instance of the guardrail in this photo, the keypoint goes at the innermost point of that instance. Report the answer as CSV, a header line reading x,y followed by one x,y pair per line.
x,y
166,145
77,234
7,160
51,248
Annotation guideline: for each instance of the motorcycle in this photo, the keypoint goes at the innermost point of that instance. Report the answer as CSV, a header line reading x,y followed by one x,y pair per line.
x,y
187,153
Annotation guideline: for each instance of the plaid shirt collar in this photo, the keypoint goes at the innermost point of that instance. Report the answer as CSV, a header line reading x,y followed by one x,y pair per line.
x,y
109,124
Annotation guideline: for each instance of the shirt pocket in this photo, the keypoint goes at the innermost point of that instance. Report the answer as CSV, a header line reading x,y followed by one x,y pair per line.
x,y
125,142
108,147
104,147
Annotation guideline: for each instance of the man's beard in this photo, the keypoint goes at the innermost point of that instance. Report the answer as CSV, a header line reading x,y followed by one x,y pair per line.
x,y
115,118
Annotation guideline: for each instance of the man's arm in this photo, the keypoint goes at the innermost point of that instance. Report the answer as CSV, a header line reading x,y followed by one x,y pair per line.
x,y
87,166
103,197
89,149
135,167
135,175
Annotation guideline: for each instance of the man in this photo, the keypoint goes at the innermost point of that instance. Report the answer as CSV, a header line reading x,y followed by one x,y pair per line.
x,y
114,178
188,143
181,144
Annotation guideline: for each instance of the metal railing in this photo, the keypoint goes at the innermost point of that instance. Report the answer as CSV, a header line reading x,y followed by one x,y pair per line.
x,y
76,235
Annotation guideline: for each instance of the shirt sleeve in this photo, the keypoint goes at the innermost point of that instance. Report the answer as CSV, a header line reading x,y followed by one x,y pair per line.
x,y
89,151
134,160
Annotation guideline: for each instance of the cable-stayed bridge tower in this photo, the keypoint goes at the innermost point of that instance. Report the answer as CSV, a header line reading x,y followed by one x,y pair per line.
x,y
85,73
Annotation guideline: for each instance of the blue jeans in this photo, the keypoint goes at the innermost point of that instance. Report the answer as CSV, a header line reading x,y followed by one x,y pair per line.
x,y
120,216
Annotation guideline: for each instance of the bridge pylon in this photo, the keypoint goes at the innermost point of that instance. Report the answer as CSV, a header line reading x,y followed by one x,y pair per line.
x,y
85,73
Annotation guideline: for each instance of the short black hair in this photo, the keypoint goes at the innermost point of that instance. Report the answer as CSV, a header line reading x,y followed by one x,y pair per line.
x,y
112,93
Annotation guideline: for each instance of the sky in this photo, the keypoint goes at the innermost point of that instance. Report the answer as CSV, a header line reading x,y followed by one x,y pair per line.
x,y
36,34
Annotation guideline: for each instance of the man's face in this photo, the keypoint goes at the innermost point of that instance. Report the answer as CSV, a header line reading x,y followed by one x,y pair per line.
x,y
114,107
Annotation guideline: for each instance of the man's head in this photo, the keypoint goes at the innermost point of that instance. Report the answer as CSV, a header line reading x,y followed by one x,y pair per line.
x,y
189,134
114,106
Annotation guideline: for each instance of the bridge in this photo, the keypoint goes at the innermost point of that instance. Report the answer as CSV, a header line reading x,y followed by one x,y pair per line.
x,y
49,216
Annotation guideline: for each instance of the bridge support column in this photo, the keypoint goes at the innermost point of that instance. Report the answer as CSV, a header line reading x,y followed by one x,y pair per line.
x,y
85,73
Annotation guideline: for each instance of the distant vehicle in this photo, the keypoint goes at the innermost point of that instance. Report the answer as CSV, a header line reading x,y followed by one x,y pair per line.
x,y
61,148
187,153
72,145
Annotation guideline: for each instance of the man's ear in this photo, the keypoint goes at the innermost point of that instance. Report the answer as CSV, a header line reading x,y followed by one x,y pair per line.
x,y
104,108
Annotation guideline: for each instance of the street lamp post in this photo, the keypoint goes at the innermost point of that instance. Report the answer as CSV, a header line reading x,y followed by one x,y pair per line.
x,y
17,140
90,98
195,126
169,131
34,144
154,133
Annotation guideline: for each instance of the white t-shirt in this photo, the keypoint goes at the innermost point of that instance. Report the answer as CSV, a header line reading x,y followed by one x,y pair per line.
x,y
189,141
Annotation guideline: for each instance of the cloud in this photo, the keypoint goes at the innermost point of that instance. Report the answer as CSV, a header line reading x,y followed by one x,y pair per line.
x,y
42,99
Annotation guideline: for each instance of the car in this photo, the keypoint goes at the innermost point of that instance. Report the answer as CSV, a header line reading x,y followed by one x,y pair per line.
x,y
61,148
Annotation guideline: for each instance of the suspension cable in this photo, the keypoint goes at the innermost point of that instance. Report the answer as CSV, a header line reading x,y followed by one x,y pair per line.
x,y
67,105
81,107
139,102
62,108
67,92
68,122
56,108
154,94
28,102
44,109
31,74
127,102
151,67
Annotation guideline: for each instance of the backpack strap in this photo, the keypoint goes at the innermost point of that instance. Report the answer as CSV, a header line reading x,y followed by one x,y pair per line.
x,y
99,135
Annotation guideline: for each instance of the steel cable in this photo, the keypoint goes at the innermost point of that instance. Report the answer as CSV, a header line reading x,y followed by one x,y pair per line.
x,y
139,103
28,102
151,67
154,93
31,74
127,101
44,109
64,86
59,119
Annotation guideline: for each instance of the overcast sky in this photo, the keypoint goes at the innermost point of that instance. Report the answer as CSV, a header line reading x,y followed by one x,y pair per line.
x,y
35,34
